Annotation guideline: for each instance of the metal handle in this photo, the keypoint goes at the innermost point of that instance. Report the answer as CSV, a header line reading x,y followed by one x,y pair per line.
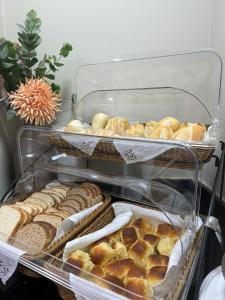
x,y
213,223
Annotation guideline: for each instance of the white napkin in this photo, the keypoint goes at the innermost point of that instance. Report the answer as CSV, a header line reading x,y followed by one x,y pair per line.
x,y
9,259
74,220
134,151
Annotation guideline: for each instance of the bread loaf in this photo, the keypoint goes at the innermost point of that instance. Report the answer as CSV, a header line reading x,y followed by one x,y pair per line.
x,y
11,219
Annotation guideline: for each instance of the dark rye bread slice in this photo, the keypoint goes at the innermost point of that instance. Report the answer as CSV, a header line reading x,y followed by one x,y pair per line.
x,y
75,203
51,219
82,193
97,191
69,209
34,237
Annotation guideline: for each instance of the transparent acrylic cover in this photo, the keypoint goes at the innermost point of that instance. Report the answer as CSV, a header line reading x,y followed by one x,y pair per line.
x,y
161,192
185,85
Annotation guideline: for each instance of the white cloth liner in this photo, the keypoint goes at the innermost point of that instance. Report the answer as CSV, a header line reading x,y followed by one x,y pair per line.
x,y
123,213
9,259
74,220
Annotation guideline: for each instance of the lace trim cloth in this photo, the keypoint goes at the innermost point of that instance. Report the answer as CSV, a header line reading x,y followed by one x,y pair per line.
x,y
9,258
85,144
133,152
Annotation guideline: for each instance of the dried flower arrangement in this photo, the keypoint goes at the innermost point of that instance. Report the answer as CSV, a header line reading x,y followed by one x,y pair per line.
x,y
25,79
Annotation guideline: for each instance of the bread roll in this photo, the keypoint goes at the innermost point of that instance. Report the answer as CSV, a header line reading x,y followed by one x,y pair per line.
x,y
119,268
165,246
102,253
157,260
151,239
136,272
99,121
75,126
170,122
156,275
140,251
129,235
137,289
81,260
135,130
144,227
162,132
164,229
194,132
117,125
149,128
113,283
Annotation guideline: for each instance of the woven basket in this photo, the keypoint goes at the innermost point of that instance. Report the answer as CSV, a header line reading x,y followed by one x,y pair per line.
x,y
107,151
55,246
105,218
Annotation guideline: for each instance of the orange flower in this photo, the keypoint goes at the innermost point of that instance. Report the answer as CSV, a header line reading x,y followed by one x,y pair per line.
x,y
35,102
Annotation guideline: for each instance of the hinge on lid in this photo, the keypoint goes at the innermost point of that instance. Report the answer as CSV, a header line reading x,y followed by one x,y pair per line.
x,y
213,223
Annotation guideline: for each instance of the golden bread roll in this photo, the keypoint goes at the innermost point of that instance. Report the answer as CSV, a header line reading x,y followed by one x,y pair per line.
x,y
144,227
170,122
194,132
129,235
98,271
119,268
99,121
164,229
151,239
136,272
81,260
165,246
140,251
156,275
102,253
157,260
75,126
114,237
162,132
149,128
113,283
120,250
137,289
117,125
135,130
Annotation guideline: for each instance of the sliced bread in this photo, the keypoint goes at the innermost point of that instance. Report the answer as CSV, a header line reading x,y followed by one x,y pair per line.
x,y
69,209
40,202
34,237
11,220
51,219
45,197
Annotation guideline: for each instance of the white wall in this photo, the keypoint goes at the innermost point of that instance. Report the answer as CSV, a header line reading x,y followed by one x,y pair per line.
x,y
102,30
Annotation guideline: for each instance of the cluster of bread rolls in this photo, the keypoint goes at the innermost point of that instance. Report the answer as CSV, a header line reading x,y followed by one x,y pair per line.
x,y
34,221
134,258
168,128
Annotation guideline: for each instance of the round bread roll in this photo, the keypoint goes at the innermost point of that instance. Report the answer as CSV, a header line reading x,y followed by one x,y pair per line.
x,y
149,128
75,126
194,132
170,122
99,121
135,130
162,132
117,125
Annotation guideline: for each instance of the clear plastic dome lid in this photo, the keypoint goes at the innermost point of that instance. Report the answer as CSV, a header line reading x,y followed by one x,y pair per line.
x,y
182,77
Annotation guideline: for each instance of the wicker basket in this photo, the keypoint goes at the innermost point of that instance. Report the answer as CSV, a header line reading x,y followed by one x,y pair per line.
x,y
55,246
107,151
105,218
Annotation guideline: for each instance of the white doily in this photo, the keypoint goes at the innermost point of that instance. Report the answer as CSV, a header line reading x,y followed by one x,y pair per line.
x,y
133,152
86,144
9,258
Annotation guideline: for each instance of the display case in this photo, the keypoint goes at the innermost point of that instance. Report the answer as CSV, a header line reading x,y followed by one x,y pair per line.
x,y
168,195
125,208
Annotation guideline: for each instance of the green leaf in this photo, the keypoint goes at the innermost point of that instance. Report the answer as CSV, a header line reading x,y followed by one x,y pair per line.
x,y
55,88
7,65
52,67
50,76
57,64
65,50
33,61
